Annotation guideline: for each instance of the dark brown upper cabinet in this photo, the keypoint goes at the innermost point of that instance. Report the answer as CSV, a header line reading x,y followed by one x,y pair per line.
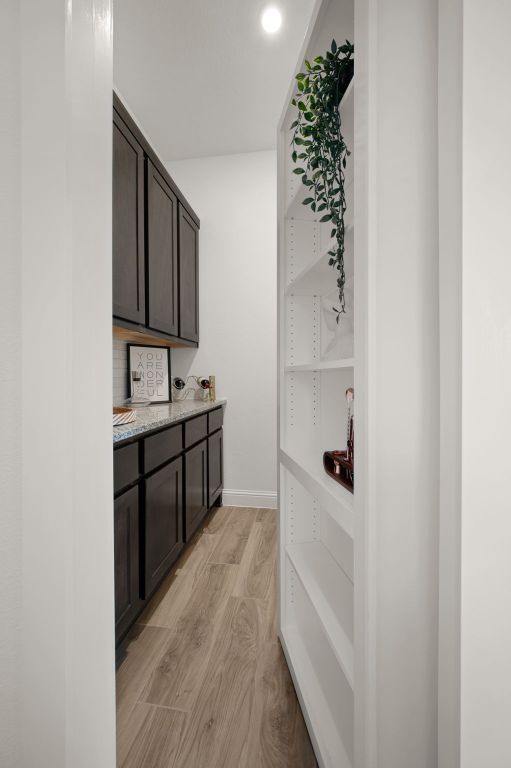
x,y
162,266
155,242
128,225
188,277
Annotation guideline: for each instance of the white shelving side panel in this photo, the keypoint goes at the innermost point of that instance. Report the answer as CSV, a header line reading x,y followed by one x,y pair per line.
x,y
322,725
315,334
309,471
331,593
317,277
306,521
316,364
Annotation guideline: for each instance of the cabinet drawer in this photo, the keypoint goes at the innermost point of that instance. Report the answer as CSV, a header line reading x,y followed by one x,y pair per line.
x,y
162,447
196,429
125,466
215,419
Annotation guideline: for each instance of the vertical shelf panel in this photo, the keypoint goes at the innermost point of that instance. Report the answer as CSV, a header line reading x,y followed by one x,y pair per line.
x,y
316,365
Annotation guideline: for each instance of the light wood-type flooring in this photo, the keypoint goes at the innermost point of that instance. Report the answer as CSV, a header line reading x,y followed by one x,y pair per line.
x,y
204,683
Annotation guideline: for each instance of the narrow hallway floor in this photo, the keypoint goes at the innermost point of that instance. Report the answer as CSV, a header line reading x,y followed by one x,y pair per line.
x,y
204,683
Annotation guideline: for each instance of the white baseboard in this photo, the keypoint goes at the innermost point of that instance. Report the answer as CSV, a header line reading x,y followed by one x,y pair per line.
x,y
235,498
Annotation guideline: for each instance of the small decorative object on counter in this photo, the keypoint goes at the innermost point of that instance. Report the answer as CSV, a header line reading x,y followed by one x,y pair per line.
x,y
149,372
178,385
136,400
339,464
123,415
203,391
193,388
212,388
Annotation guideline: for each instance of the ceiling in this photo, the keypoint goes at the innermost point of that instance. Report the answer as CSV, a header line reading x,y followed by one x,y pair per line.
x,y
203,78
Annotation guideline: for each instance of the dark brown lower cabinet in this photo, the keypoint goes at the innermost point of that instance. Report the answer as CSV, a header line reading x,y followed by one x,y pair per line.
x,y
196,488
163,523
176,476
126,547
215,466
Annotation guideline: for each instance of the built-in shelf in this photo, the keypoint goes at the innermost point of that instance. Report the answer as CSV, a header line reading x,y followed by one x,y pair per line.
x,y
331,495
318,588
322,365
322,722
318,278
296,209
320,576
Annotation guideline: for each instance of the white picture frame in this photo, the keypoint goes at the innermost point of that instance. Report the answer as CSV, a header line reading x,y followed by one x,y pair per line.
x,y
152,363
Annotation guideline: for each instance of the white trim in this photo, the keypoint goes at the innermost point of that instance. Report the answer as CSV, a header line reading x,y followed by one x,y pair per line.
x,y
237,498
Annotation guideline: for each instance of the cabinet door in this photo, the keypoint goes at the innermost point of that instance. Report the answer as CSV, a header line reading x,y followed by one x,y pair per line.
x,y
127,225
126,551
163,523
196,491
162,264
188,277
215,466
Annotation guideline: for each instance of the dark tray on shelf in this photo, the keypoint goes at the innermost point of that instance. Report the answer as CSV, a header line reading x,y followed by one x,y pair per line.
x,y
339,467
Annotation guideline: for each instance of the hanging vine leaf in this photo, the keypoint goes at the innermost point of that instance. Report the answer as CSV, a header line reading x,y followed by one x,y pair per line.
x,y
317,129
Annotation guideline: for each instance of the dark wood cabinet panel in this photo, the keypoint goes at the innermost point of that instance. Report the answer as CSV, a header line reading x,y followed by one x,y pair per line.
x,y
162,255
125,467
126,547
128,225
188,277
215,419
215,466
165,504
196,429
162,447
155,242
163,523
196,491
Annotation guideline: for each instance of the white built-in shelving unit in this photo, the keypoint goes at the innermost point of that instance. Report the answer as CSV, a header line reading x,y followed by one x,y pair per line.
x,y
317,360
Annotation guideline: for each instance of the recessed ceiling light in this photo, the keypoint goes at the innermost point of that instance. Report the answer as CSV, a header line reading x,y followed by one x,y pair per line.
x,y
271,20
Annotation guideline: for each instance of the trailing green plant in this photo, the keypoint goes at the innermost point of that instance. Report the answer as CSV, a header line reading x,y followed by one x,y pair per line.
x,y
318,143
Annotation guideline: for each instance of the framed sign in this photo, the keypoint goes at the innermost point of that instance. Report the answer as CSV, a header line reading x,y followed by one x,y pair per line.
x,y
149,372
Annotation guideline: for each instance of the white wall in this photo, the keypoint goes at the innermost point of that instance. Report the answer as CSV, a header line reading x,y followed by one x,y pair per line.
x,y
10,416
397,382
57,692
486,388
450,41
235,198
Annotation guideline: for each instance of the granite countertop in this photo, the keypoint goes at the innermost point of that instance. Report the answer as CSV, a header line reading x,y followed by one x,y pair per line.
x,y
156,416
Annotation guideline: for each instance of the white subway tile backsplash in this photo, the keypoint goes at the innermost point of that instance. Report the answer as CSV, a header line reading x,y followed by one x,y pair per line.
x,y
120,371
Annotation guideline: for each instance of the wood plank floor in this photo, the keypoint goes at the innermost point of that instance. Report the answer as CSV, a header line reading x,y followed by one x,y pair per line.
x,y
204,683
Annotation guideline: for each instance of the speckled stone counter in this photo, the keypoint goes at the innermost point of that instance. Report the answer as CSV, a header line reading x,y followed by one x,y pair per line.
x,y
157,416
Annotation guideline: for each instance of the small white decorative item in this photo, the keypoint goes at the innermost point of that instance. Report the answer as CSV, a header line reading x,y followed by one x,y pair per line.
x,y
149,374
